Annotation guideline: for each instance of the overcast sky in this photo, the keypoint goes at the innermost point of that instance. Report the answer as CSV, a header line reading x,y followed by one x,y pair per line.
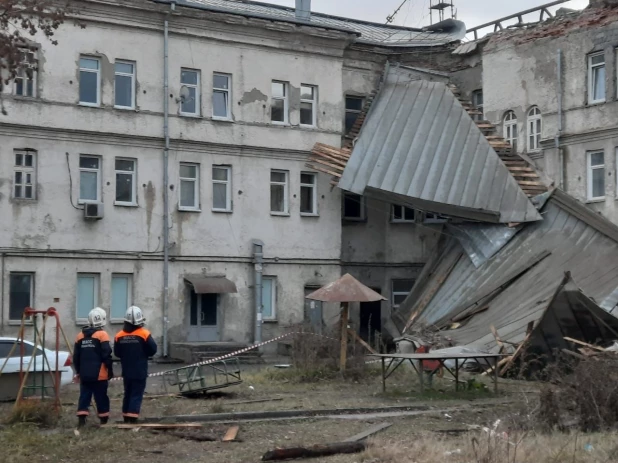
x,y
415,13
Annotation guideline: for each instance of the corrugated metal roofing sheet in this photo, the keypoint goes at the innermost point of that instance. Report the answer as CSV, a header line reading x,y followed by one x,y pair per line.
x,y
372,33
420,147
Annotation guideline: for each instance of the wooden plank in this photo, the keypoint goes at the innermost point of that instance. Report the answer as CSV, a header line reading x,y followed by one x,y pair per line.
x,y
343,358
330,158
530,183
316,451
361,341
494,331
515,354
369,432
153,425
585,344
231,434
323,170
326,163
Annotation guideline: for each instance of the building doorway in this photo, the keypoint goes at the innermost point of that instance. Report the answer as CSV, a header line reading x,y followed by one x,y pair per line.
x,y
370,320
204,318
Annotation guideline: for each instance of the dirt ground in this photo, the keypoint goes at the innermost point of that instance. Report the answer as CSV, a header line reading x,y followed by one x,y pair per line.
x,y
446,421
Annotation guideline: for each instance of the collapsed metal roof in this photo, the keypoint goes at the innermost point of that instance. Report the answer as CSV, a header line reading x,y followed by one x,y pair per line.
x,y
420,147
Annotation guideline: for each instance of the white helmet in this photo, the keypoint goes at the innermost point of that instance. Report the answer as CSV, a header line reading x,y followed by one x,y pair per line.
x,y
97,318
135,316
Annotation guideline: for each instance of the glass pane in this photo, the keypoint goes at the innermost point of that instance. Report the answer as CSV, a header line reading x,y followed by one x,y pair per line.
x,y
598,59
85,296
277,194
120,296
28,179
29,87
278,89
350,119
125,164
124,188
399,298
193,311
86,162
28,192
221,82
19,179
277,111
397,212
28,160
219,173
19,86
19,159
124,67
402,286
89,63
306,113
124,91
18,193
187,171
19,295
88,186
306,93
278,176
187,193
409,213
219,104
267,298
599,83
598,183
597,159
306,200
219,196
188,77
352,207
88,87
538,126
307,179
189,105
354,103
209,310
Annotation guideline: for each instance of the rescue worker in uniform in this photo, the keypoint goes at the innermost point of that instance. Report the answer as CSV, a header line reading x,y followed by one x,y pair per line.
x,y
92,360
133,346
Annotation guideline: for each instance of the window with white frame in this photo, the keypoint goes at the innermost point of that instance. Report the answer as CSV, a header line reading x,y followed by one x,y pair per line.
x,y
402,214
477,102
87,295
190,92
596,175
534,129
121,295
308,105
222,188
279,191
89,81
221,96
400,290
353,108
25,80
279,103
308,193
124,85
21,294
126,183
354,207
596,78
189,187
510,129
89,179
24,174
269,298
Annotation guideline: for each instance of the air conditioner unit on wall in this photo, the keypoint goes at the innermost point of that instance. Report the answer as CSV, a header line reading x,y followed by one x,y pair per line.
x,y
93,211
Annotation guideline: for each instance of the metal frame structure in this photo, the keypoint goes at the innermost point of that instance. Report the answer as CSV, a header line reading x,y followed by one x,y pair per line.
x,y
201,379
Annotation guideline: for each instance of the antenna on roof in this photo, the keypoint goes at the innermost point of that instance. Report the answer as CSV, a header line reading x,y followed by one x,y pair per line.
x,y
391,18
440,6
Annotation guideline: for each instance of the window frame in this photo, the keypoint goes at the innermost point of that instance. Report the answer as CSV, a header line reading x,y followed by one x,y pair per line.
x,y
589,175
129,277
400,293
98,73
228,92
273,317
32,289
196,192
198,93
286,102
133,84
133,174
363,208
313,102
25,170
509,121
592,68
479,107
96,298
314,194
534,115
22,74
99,179
435,218
347,111
403,214
228,188
286,192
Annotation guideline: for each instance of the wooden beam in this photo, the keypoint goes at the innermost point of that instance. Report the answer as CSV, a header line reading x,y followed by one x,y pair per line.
x,y
345,315
314,452
231,434
515,354
585,344
361,341
369,432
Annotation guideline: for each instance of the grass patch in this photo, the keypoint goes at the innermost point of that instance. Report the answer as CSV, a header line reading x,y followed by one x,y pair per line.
x,y
35,412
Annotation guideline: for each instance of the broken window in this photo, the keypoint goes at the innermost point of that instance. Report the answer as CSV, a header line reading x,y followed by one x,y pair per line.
x,y
24,175
353,207
534,129
279,192
21,292
596,175
124,85
89,81
279,103
308,97
189,92
25,81
308,193
353,108
189,187
477,102
89,179
221,88
596,78
402,214
510,129
400,290
222,188
126,185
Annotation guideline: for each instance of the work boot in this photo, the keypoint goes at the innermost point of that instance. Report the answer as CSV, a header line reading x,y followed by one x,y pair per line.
x,y
81,421
104,420
127,420
133,420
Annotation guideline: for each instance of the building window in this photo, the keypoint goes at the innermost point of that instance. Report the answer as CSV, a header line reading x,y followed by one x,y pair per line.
x,y
25,81
279,104
596,175
189,92
308,193
477,102
279,189
221,88
124,85
434,218
89,179
510,129
89,81
402,214
21,294
400,290
353,207
87,295
353,108
269,298
126,183
222,188
189,187
24,175
308,105
534,129
122,297
596,78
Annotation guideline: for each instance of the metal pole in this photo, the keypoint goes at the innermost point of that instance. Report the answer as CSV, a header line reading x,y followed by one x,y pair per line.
x,y
559,134
2,258
258,260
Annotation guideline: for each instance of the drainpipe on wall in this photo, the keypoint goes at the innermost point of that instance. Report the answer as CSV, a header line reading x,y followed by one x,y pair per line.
x,y
2,257
558,135
258,261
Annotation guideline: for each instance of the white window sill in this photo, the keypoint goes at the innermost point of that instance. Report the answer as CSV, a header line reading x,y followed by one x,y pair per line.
x,y
116,321
24,97
307,214
592,103
188,209
89,105
18,323
194,116
310,127
222,211
280,124
121,204
81,322
125,108
595,200
222,119
88,201
24,200
280,214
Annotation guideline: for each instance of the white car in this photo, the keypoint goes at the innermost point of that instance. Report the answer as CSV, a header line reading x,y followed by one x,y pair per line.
x,y
12,366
